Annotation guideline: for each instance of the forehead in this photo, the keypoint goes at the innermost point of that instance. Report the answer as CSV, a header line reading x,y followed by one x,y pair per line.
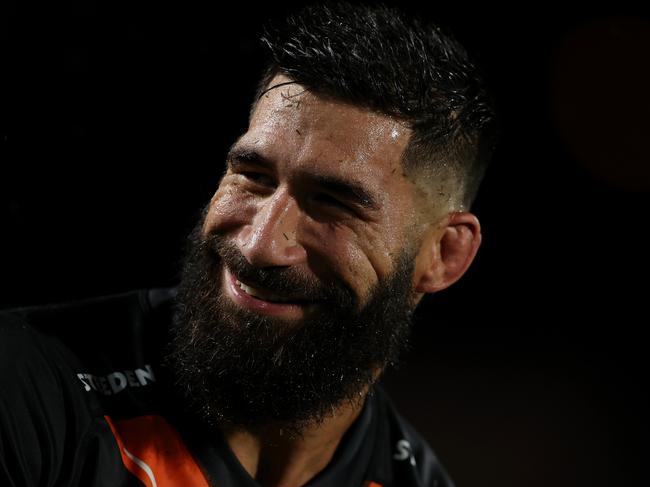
x,y
293,126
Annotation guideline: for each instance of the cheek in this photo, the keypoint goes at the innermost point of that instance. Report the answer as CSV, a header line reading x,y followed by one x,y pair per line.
x,y
347,255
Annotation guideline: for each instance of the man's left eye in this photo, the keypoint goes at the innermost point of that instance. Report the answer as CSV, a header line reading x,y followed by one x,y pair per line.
x,y
324,198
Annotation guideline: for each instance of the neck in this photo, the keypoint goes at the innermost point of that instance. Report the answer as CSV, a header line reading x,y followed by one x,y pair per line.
x,y
274,459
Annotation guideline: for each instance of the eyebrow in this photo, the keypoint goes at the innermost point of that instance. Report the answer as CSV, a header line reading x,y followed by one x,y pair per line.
x,y
348,190
238,156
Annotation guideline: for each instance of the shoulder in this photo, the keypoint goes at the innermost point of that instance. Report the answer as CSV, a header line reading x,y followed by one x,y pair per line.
x,y
24,352
47,412
412,456
92,327
33,368
97,333
43,348
31,413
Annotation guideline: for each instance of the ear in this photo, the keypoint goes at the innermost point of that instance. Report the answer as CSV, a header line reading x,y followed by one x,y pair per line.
x,y
447,252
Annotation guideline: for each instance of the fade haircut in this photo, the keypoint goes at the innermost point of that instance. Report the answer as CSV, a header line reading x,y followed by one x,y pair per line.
x,y
379,58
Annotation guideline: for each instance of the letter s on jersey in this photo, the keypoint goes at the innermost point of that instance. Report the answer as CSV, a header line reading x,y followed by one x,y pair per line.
x,y
404,452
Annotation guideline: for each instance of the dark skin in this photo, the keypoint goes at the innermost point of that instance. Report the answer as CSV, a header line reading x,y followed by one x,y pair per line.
x,y
317,184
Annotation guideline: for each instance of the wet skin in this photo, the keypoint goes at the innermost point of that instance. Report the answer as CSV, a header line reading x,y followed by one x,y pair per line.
x,y
316,185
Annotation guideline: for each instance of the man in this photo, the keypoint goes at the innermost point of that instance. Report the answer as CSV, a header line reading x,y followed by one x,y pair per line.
x,y
343,204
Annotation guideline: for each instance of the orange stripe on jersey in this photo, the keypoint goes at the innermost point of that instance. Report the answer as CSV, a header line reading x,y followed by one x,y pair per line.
x,y
372,484
154,452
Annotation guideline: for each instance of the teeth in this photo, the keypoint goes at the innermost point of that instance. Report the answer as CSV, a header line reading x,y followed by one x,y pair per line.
x,y
260,294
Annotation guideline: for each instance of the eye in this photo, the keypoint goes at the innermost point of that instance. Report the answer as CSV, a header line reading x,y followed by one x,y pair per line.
x,y
258,178
328,200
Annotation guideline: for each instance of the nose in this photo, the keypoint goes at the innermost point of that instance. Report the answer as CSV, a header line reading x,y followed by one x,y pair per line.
x,y
271,238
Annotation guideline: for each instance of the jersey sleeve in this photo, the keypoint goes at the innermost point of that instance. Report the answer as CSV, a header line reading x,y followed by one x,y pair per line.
x,y
32,415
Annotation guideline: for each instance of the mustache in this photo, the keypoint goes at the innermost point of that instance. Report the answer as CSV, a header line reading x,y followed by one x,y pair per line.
x,y
287,281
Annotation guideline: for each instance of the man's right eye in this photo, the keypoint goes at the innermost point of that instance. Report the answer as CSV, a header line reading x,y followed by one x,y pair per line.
x,y
258,178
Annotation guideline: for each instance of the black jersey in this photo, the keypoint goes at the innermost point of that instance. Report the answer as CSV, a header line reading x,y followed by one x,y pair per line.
x,y
85,402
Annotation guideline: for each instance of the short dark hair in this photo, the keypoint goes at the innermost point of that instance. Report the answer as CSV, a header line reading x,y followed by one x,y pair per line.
x,y
381,59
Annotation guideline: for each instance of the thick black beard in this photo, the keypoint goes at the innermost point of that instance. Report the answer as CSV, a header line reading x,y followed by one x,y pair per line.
x,y
242,370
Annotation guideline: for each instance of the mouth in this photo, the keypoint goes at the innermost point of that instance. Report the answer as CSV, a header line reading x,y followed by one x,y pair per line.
x,y
264,301
266,295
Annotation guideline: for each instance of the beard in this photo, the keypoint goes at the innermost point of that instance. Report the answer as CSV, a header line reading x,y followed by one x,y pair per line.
x,y
239,369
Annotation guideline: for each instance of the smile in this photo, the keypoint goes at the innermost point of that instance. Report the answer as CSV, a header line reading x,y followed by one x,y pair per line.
x,y
265,296
263,301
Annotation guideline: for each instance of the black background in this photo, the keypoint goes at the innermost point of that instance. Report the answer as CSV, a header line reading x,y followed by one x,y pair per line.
x,y
531,371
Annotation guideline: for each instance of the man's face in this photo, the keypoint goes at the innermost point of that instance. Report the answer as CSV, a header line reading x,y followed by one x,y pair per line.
x,y
298,287
316,186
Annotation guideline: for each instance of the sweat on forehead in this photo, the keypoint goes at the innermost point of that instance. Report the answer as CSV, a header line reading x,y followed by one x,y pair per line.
x,y
291,102
290,91
335,131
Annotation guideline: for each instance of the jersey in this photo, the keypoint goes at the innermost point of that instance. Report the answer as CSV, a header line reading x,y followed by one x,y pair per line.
x,y
85,401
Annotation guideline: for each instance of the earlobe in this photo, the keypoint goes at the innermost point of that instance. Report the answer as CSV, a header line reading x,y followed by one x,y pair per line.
x,y
447,253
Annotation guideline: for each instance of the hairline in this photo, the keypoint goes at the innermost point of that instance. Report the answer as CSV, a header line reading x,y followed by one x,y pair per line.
x,y
411,162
